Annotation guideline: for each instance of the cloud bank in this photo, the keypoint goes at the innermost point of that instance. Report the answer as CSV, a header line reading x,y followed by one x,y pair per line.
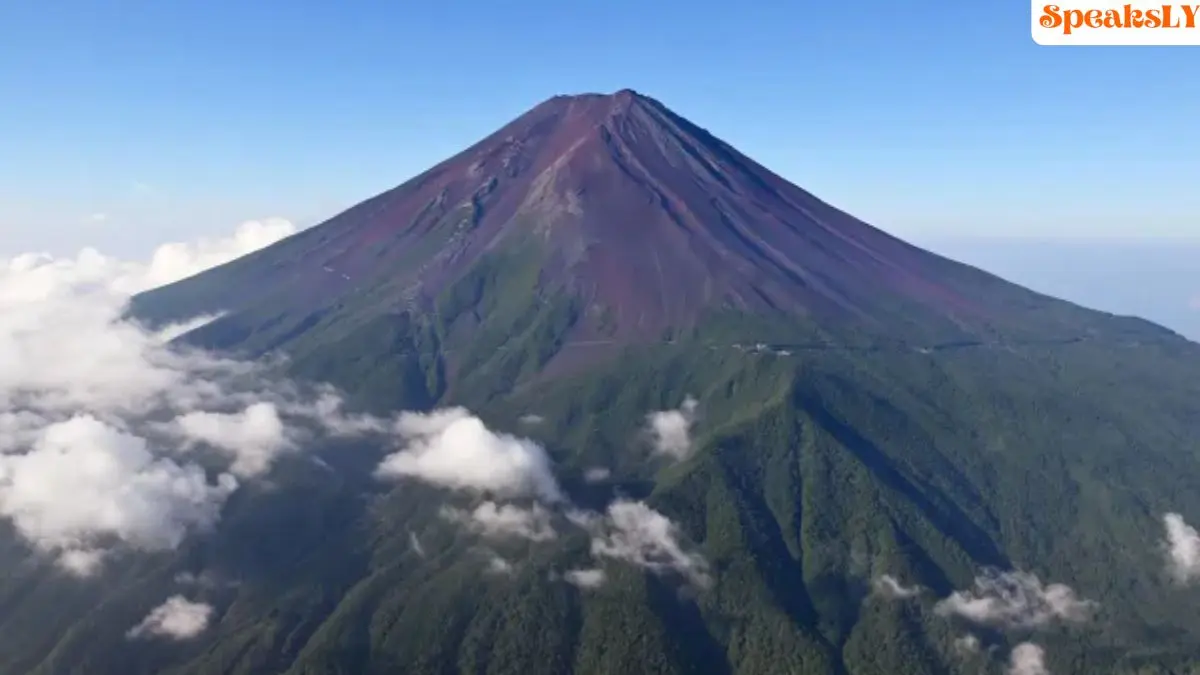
x,y
114,437
83,480
101,418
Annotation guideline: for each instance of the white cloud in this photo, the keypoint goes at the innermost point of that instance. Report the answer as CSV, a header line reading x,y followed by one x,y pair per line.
x,y
172,262
588,520
1016,600
637,534
499,566
178,619
97,413
887,586
327,411
254,437
531,419
454,449
1027,659
65,346
585,578
966,645
596,474
83,481
671,430
98,217
500,521
203,580
1183,549
415,544
81,562
174,330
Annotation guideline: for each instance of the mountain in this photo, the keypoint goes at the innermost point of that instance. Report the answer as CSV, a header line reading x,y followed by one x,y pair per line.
x,y
628,224
871,429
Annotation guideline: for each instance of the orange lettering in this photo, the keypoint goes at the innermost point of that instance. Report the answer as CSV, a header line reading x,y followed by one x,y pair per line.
x,y
1127,16
1072,19
1190,12
1051,17
1166,22
1133,17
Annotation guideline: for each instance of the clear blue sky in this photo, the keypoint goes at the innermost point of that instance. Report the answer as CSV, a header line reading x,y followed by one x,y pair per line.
x,y
184,116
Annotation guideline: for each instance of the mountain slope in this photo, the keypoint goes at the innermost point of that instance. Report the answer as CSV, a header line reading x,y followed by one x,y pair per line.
x,y
865,409
646,222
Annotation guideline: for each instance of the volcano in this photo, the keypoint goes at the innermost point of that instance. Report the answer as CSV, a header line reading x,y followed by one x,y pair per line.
x,y
881,461
643,223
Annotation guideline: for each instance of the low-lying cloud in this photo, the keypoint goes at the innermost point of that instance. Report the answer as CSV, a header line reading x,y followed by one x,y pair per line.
x,y
585,578
637,534
505,521
100,416
1027,659
112,436
83,480
177,619
454,449
253,437
206,580
887,586
596,474
1015,600
966,645
172,262
1183,549
499,566
671,430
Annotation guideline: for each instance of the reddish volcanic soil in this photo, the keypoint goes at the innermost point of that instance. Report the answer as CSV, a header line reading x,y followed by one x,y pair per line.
x,y
645,213
647,218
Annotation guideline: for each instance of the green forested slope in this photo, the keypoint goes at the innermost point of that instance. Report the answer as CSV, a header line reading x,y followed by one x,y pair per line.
x,y
814,473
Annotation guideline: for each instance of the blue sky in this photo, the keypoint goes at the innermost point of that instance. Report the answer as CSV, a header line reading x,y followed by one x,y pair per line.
x,y
923,117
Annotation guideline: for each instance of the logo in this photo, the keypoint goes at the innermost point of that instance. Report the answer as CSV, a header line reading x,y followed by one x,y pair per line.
x,y
1101,22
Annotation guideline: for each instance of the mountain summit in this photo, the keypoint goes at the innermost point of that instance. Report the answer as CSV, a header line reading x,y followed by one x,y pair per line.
x,y
642,222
